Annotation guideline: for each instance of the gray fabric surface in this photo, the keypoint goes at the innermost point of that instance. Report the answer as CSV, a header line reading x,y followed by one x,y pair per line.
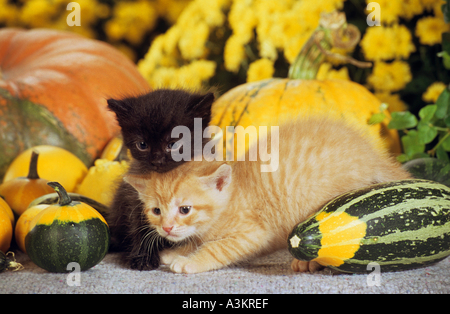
x,y
270,274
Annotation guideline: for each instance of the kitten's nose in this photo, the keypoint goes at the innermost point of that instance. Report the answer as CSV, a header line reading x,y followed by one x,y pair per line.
x,y
167,229
158,162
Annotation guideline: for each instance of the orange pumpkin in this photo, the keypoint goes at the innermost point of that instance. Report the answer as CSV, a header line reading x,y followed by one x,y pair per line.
x,y
53,90
273,101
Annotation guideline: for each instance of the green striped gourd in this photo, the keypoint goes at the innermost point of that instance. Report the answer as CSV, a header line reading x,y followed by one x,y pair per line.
x,y
67,232
400,225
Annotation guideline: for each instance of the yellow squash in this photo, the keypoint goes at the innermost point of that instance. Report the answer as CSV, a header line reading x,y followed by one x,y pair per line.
x,y
102,180
273,101
21,191
23,224
55,164
6,231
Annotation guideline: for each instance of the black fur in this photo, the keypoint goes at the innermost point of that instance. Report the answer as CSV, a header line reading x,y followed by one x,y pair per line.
x,y
149,119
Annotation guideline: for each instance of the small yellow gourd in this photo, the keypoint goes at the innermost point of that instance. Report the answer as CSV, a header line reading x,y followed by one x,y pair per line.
x,y
55,164
23,224
102,180
6,231
21,191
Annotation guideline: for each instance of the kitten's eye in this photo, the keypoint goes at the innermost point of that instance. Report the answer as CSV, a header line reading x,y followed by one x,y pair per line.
x,y
142,146
184,210
156,211
173,146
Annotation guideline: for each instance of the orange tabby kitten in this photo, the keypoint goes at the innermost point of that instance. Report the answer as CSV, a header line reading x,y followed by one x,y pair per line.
x,y
222,213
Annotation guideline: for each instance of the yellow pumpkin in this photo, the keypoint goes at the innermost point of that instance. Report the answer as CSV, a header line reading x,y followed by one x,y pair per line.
x,y
6,231
102,180
7,209
21,191
55,164
23,224
112,149
273,101
115,150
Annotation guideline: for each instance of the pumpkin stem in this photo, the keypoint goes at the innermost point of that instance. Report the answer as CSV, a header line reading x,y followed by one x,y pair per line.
x,y
12,263
333,31
64,198
32,171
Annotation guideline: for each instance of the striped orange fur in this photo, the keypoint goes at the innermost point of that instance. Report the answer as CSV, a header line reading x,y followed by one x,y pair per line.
x,y
237,212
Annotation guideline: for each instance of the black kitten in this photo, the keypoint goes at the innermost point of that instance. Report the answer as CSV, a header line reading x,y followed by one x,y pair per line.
x,y
147,122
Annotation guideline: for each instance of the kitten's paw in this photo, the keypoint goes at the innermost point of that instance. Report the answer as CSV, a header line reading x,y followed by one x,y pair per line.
x,y
168,256
144,262
185,265
303,267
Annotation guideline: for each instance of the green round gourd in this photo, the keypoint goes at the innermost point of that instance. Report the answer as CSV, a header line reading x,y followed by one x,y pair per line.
x,y
67,232
429,169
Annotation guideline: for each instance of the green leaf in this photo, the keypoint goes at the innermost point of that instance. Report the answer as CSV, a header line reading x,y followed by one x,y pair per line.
x,y
445,9
412,144
446,37
426,133
377,118
421,155
446,144
442,104
447,121
445,59
427,112
403,158
402,120
442,154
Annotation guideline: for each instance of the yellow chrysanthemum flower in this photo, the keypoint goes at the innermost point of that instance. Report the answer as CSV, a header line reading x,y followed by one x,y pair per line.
x,y
433,91
152,58
429,30
403,42
192,44
390,10
377,43
260,70
164,78
131,20
326,71
171,9
393,100
38,13
411,8
190,76
234,53
429,4
437,9
389,76
294,45
170,40
9,13
242,20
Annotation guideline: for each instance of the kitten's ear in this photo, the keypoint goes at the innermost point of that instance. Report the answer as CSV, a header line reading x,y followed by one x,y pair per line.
x,y
135,181
118,106
220,179
201,105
